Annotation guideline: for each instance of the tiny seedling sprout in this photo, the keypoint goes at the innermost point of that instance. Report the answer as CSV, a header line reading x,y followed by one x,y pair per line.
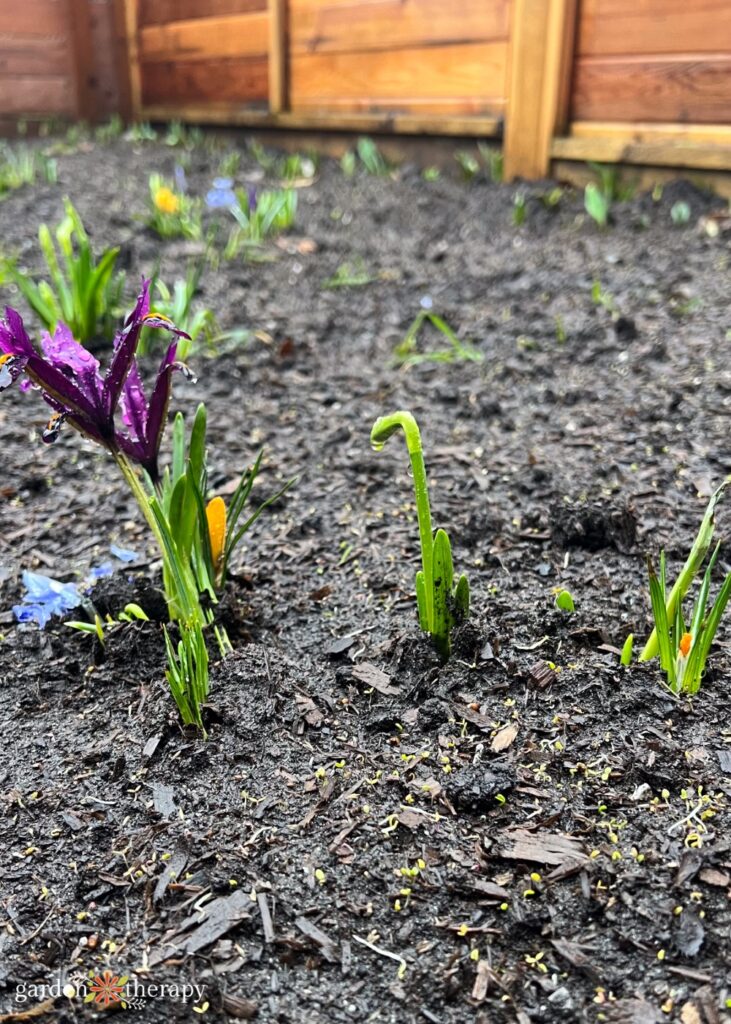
x,y
442,605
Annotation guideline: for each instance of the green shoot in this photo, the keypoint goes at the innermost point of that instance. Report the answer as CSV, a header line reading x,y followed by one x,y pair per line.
x,y
627,649
442,604
348,163
597,204
431,174
81,293
520,209
406,354
492,157
371,157
565,602
688,573
680,214
468,164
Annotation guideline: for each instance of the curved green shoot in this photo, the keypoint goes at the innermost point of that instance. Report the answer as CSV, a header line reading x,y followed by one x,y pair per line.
x,y
441,605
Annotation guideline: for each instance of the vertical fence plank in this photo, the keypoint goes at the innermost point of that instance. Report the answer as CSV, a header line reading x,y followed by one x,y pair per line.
x,y
539,79
126,12
277,57
79,22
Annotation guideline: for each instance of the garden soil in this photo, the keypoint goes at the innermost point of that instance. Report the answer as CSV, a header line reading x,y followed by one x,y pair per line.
x,y
528,833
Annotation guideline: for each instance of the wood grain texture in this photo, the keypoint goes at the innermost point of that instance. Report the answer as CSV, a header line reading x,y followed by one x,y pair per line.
x,y
161,12
658,152
646,131
237,35
540,68
26,57
682,89
278,56
228,80
83,58
40,95
422,74
106,69
626,27
43,18
389,24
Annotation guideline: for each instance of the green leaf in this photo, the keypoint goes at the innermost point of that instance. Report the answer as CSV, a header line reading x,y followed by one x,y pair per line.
x,y
596,204
565,601
443,576
626,658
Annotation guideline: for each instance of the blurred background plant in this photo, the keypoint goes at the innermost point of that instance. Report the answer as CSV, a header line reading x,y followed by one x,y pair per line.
x,y
84,294
173,213
21,165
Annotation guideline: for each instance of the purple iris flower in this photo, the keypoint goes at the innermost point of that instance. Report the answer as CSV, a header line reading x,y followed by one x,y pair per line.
x,y
71,382
222,195
251,198
45,597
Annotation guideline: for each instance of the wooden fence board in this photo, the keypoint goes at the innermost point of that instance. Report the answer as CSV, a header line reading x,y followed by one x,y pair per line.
x,y
27,57
390,24
34,18
653,89
238,35
160,12
52,94
626,27
222,80
428,73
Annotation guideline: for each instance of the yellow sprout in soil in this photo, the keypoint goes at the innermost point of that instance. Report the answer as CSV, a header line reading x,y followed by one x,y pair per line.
x,y
166,201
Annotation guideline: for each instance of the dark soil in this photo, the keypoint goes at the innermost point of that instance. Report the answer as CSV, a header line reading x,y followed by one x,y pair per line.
x,y
527,833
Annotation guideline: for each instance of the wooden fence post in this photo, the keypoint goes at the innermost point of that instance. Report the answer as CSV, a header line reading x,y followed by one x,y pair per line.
x,y
277,57
79,20
539,82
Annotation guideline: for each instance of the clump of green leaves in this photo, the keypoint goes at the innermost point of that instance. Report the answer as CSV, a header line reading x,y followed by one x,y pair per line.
x,y
110,131
141,131
21,165
491,162
520,208
186,136
172,213
684,647
370,157
442,603
259,215
599,195
83,294
406,354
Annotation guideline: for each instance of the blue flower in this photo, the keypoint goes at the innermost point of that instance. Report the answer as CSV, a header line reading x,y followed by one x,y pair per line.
x,y
45,597
98,571
181,182
222,195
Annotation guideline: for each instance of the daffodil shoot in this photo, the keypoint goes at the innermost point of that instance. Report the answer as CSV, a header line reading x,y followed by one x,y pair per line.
x,y
442,604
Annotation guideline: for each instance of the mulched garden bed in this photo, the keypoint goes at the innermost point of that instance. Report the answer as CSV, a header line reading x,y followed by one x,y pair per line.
x,y
521,834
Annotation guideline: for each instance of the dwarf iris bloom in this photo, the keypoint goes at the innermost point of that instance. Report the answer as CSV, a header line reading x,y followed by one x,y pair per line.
x,y
71,383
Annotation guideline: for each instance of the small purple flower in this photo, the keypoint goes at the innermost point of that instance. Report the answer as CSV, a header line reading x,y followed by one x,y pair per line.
x,y
251,198
71,382
222,195
45,597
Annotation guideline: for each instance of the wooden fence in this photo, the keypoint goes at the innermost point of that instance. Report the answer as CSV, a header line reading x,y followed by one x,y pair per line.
x,y
633,81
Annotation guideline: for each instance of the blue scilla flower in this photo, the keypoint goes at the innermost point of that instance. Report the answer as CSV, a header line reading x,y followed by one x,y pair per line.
x,y
45,597
222,195
123,554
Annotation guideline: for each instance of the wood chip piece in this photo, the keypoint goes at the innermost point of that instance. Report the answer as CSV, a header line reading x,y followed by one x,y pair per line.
x,y
372,676
553,848
318,936
504,738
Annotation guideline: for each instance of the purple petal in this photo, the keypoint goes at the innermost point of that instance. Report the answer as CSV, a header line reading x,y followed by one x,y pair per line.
x,y
157,413
134,404
13,337
73,360
123,554
124,352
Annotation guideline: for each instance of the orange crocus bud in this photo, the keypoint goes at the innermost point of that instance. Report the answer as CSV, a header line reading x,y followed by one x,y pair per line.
x,y
216,516
684,646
